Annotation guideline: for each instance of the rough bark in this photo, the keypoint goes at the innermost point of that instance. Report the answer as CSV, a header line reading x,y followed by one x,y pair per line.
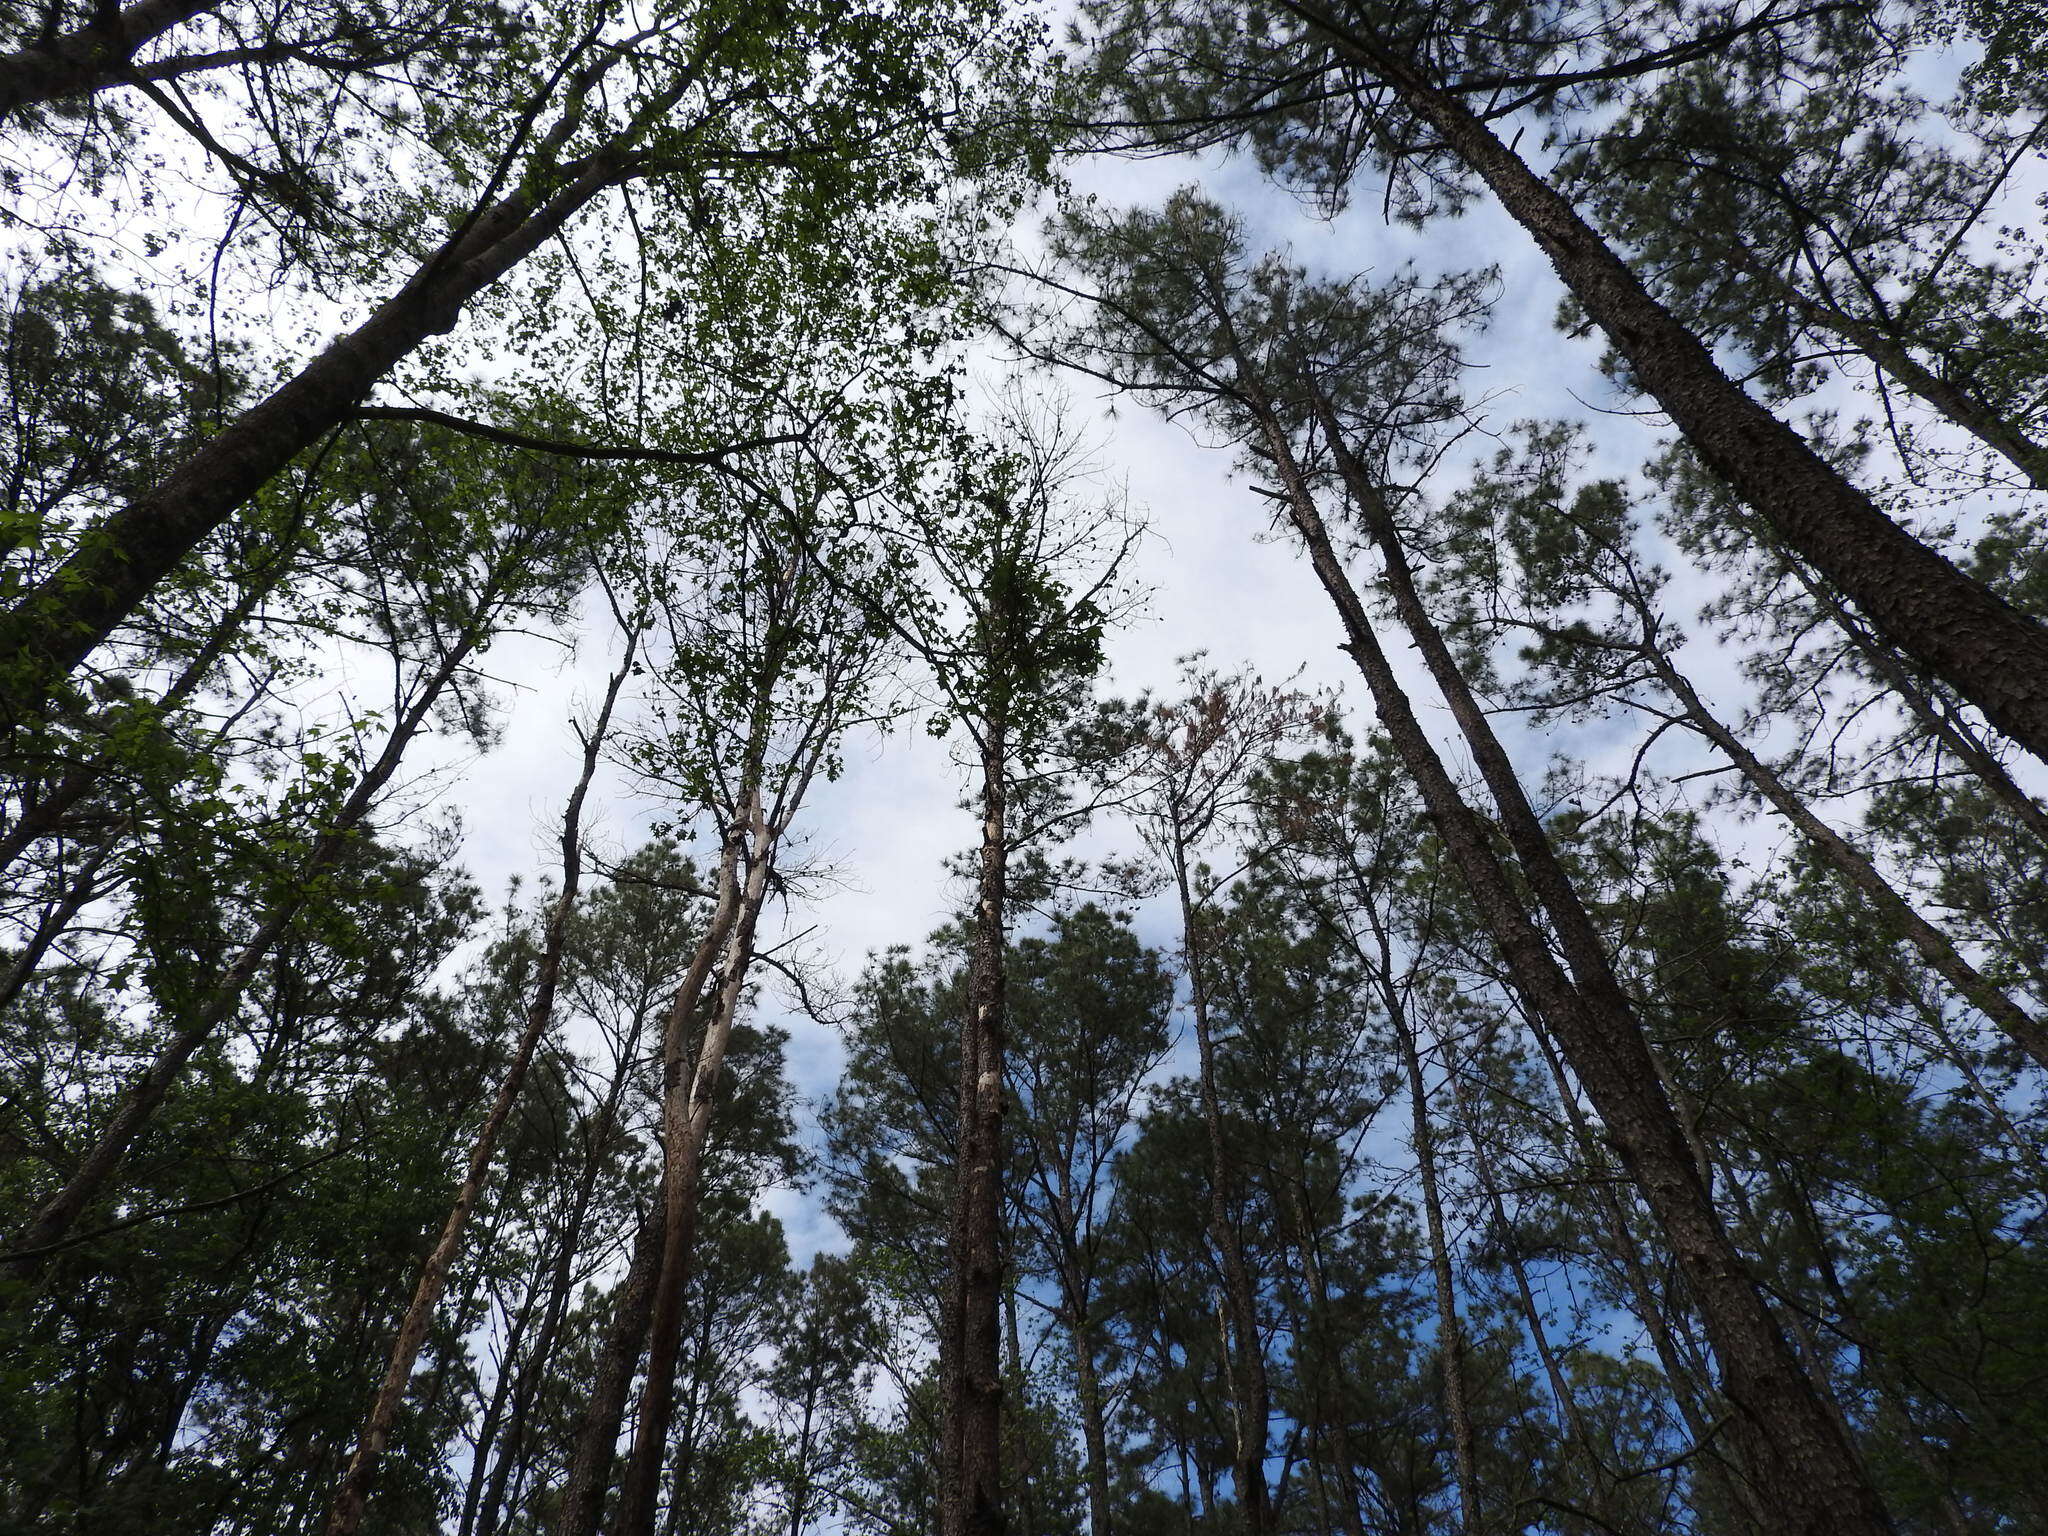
x,y
1959,630
970,1346
347,1512
1816,1486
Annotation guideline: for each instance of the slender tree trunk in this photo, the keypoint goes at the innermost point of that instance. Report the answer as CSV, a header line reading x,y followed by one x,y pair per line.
x,y
1599,1474
1450,1327
686,1126
347,1512
1094,1426
1245,1354
1026,1469
1816,1485
142,1098
1677,1361
970,1346
1324,1351
1855,869
1990,652
90,59
1954,403
485,1514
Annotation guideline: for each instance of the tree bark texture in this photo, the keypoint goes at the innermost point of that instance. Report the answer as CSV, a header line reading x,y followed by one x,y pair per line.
x,y
970,1345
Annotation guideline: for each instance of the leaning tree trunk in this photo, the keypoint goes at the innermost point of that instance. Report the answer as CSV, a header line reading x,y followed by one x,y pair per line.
x,y
1855,868
92,58
349,1500
686,1127
970,1336
1990,652
62,620
1938,717
1817,1485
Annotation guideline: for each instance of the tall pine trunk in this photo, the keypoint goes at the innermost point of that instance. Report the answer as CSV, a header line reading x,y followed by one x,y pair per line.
x,y
1990,652
1245,1352
970,1344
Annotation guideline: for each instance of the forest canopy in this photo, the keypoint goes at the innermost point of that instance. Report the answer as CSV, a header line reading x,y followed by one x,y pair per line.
x,y
976,768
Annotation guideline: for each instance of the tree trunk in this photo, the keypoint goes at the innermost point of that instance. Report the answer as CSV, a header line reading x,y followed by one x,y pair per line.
x,y
90,59
1954,403
1598,1473
970,1345
1245,1357
1855,869
57,624
1322,1353
1094,1426
511,1455
686,1126
1990,652
1816,1486
1676,1363
1936,716
597,1436
347,1512
1450,1327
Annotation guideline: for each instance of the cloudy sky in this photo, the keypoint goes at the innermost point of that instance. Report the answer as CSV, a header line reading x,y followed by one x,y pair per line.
x,y
1215,581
